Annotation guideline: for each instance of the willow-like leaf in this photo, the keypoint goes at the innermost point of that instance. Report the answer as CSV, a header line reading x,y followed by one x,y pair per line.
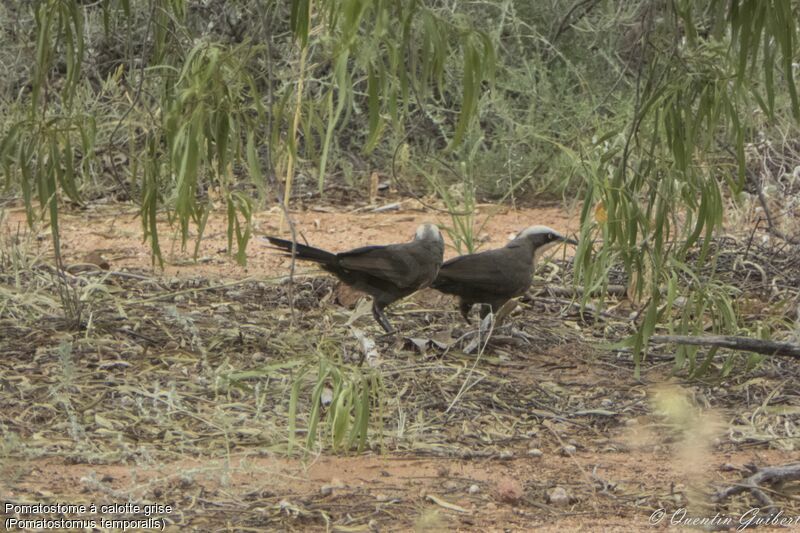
x,y
300,15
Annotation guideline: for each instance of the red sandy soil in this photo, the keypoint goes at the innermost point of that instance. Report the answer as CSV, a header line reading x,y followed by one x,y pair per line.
x,y
116,232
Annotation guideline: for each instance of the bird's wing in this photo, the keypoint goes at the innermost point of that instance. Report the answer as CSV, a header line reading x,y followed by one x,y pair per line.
x,y
384,262
484,271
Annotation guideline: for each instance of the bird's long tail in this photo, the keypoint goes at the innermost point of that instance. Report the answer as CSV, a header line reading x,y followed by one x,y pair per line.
x,y
308,253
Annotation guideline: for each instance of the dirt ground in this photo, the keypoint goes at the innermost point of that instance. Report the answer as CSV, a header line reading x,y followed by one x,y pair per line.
x,y
543,431
116,233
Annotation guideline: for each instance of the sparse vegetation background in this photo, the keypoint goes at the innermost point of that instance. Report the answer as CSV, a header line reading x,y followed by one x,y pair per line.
x,y
671,126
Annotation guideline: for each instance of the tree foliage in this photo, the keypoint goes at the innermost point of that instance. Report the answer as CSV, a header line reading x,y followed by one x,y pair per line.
x,y
642,108
659,181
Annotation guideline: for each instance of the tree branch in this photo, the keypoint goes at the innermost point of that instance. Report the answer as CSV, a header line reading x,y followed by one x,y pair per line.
x,y
752,484
746,344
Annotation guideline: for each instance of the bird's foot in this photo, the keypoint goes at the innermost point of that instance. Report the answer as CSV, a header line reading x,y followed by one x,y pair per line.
x,y
380,318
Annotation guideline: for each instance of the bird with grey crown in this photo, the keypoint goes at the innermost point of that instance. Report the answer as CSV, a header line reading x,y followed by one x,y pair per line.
x,y
493,277
387,273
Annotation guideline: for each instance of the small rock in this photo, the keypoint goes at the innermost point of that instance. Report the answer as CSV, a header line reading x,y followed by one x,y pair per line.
x,y
569,450
450,485
558,497
381,497
509,490
326,398
491,506
474,489
506,454
328,489
96,258
632,422
347,296
373,525
535,452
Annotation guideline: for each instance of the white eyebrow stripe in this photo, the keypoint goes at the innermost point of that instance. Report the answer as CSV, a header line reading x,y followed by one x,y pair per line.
x,y
538,230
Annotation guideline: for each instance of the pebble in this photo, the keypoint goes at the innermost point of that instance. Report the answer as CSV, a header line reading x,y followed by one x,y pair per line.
x,y
569,450
509,490
558,497
474,489
326,398
335,483
450,485
535,452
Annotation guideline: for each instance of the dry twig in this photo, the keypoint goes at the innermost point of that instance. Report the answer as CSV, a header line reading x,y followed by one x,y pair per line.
x,y
752,484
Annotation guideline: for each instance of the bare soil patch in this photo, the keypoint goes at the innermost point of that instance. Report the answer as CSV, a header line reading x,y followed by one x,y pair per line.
x,y
115,231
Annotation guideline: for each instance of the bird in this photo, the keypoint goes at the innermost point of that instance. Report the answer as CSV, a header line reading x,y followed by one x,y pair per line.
x,y
387,273
493,277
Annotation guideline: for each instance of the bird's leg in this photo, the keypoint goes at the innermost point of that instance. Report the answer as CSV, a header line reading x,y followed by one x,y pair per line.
x,y
380,318
465,307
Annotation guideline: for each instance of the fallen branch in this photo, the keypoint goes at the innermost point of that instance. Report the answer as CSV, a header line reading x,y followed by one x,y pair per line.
x,y
752,484
734,343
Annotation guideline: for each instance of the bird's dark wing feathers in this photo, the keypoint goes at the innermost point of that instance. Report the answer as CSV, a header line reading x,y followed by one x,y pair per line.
x,y
483,271
384,262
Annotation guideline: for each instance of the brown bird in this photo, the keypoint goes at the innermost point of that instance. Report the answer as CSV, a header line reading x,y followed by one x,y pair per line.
x,y
493,277
387,273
